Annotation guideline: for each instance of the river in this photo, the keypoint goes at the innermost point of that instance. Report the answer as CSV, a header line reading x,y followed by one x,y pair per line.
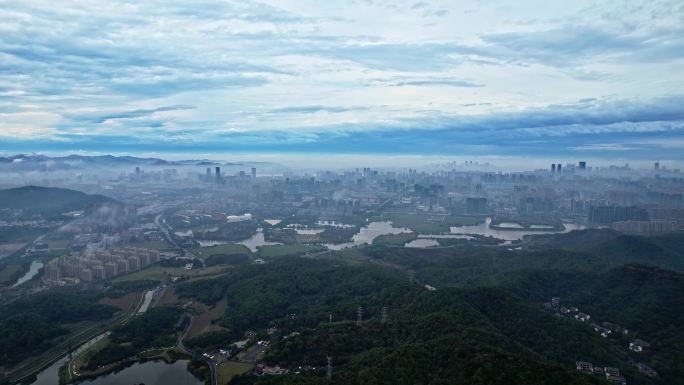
x,y
33,270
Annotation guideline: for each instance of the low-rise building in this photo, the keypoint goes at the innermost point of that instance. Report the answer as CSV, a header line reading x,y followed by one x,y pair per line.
x,y
638,345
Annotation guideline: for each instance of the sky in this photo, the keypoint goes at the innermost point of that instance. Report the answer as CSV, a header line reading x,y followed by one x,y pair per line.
x,y
524,79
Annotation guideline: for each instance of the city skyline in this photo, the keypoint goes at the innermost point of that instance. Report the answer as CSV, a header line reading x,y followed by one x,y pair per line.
x,y
582,80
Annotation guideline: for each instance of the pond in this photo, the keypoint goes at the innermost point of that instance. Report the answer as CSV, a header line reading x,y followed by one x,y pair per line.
x,y
256,240
509,235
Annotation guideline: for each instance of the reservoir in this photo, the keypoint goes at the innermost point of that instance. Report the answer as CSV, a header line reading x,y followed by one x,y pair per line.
x,y
149,373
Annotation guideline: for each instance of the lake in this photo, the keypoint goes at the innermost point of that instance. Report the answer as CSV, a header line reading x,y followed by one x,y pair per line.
x,y
256,240
510,235
368,233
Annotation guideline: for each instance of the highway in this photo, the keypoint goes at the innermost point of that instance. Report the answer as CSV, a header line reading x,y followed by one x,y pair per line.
x,y
161,225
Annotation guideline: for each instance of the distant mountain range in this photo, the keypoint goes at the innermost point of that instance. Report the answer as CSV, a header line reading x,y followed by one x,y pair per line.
x,y
36,162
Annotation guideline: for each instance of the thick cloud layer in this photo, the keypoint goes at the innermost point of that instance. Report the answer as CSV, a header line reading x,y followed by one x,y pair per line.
x,y
582,78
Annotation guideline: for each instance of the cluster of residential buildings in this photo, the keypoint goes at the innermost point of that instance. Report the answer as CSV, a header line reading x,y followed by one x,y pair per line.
x,y
612,374
97,266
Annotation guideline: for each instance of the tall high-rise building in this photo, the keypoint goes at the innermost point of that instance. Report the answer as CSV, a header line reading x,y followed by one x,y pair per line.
x,y
253,173
582,165
553,168
559,168
656,166
137,171
218,174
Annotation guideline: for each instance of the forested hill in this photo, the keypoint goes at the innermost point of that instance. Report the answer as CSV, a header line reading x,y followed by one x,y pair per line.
x,y
500,334
47,201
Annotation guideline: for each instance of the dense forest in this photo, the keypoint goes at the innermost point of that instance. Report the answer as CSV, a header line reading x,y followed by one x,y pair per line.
x,y
47,201
487,322
155,328
33,324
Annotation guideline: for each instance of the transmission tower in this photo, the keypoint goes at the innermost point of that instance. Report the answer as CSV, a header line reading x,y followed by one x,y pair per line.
x,y
329,373
384,314
330,318
359,315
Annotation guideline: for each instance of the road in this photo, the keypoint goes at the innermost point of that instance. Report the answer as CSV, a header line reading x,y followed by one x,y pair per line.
x,y
161,225
79,338
129,316
181,346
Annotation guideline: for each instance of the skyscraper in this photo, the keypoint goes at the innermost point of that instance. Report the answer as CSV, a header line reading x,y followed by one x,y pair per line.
x,y
582,165
553,168
218,174
253,173
657,165
559,168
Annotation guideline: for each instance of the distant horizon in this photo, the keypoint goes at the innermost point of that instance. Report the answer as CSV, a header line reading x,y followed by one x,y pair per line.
x,y
385,161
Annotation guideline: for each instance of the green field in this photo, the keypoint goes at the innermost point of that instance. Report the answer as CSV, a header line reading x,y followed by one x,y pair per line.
x,y
155,245
430,223
157,273
161,273
350,256
8,272
283,250
230,248
394,239
227,370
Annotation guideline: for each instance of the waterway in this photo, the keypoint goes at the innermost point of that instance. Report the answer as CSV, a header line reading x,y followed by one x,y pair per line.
x,y
33,270
510,235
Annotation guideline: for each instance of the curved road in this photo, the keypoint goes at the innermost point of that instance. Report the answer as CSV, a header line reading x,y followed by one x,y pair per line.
x,y
181,346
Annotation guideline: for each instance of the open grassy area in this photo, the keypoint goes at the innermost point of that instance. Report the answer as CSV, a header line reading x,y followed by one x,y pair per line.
x,y
161,273
230,248
227,370
423,223
158,273
154,245
58,244
126,303
394,239
7,273
352,256
203,322
283,250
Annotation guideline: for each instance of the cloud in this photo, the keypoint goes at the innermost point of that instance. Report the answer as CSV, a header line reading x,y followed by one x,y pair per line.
x,y
316,108
399,76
